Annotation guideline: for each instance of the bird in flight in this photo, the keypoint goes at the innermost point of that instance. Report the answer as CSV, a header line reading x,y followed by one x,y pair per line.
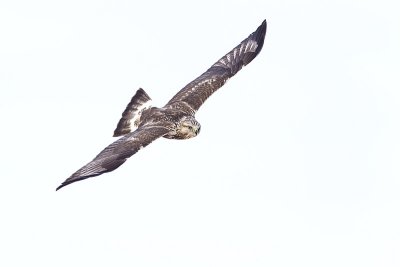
x,y
141,123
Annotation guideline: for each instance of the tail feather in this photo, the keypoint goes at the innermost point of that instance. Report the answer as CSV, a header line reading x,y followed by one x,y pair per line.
x,y
132,113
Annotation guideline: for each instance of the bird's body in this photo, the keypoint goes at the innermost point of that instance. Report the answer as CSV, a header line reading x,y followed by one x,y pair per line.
x,y
141,124
181,124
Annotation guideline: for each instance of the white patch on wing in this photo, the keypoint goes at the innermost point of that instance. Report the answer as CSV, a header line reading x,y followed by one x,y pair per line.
x,y
251,46
240,50
231,57
247,46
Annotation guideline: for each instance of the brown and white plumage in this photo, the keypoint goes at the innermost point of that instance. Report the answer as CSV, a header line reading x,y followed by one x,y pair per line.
x,y
197,91
131,115
117,153
176,119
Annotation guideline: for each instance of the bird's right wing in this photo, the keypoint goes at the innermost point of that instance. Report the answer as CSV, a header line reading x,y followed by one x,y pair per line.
x,y
196,92
117,153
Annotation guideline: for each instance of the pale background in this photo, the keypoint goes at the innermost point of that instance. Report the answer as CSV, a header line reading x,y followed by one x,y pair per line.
x,y
297,163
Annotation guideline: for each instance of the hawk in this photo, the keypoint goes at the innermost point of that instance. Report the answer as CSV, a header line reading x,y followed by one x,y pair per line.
x,y
141,123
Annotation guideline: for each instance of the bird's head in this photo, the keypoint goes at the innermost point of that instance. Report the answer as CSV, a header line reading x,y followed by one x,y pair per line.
x,y
188,127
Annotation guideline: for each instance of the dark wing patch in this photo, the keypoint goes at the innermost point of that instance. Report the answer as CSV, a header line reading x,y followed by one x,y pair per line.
x,y
197,91
117,153
131,115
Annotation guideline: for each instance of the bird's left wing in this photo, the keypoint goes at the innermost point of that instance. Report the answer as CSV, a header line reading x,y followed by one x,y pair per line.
x,y
117,153
196,92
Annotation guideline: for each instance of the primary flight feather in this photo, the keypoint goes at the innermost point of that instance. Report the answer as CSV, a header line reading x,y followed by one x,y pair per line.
x,y
141,124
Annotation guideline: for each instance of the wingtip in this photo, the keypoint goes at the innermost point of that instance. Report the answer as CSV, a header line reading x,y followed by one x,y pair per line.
x,y
259,35
263,26
65,183
59,187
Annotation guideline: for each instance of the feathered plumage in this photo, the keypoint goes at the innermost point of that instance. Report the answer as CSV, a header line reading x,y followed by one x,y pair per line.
x,y
176,119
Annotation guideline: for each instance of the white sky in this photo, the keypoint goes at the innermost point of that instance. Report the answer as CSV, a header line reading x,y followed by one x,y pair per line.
x,y
297,163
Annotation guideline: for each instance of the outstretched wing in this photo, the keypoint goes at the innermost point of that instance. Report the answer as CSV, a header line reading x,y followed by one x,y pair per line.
x,y
132,113
195,93
117,153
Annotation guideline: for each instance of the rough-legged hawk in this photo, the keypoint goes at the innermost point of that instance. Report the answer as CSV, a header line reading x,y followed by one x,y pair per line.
x,y
141,124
